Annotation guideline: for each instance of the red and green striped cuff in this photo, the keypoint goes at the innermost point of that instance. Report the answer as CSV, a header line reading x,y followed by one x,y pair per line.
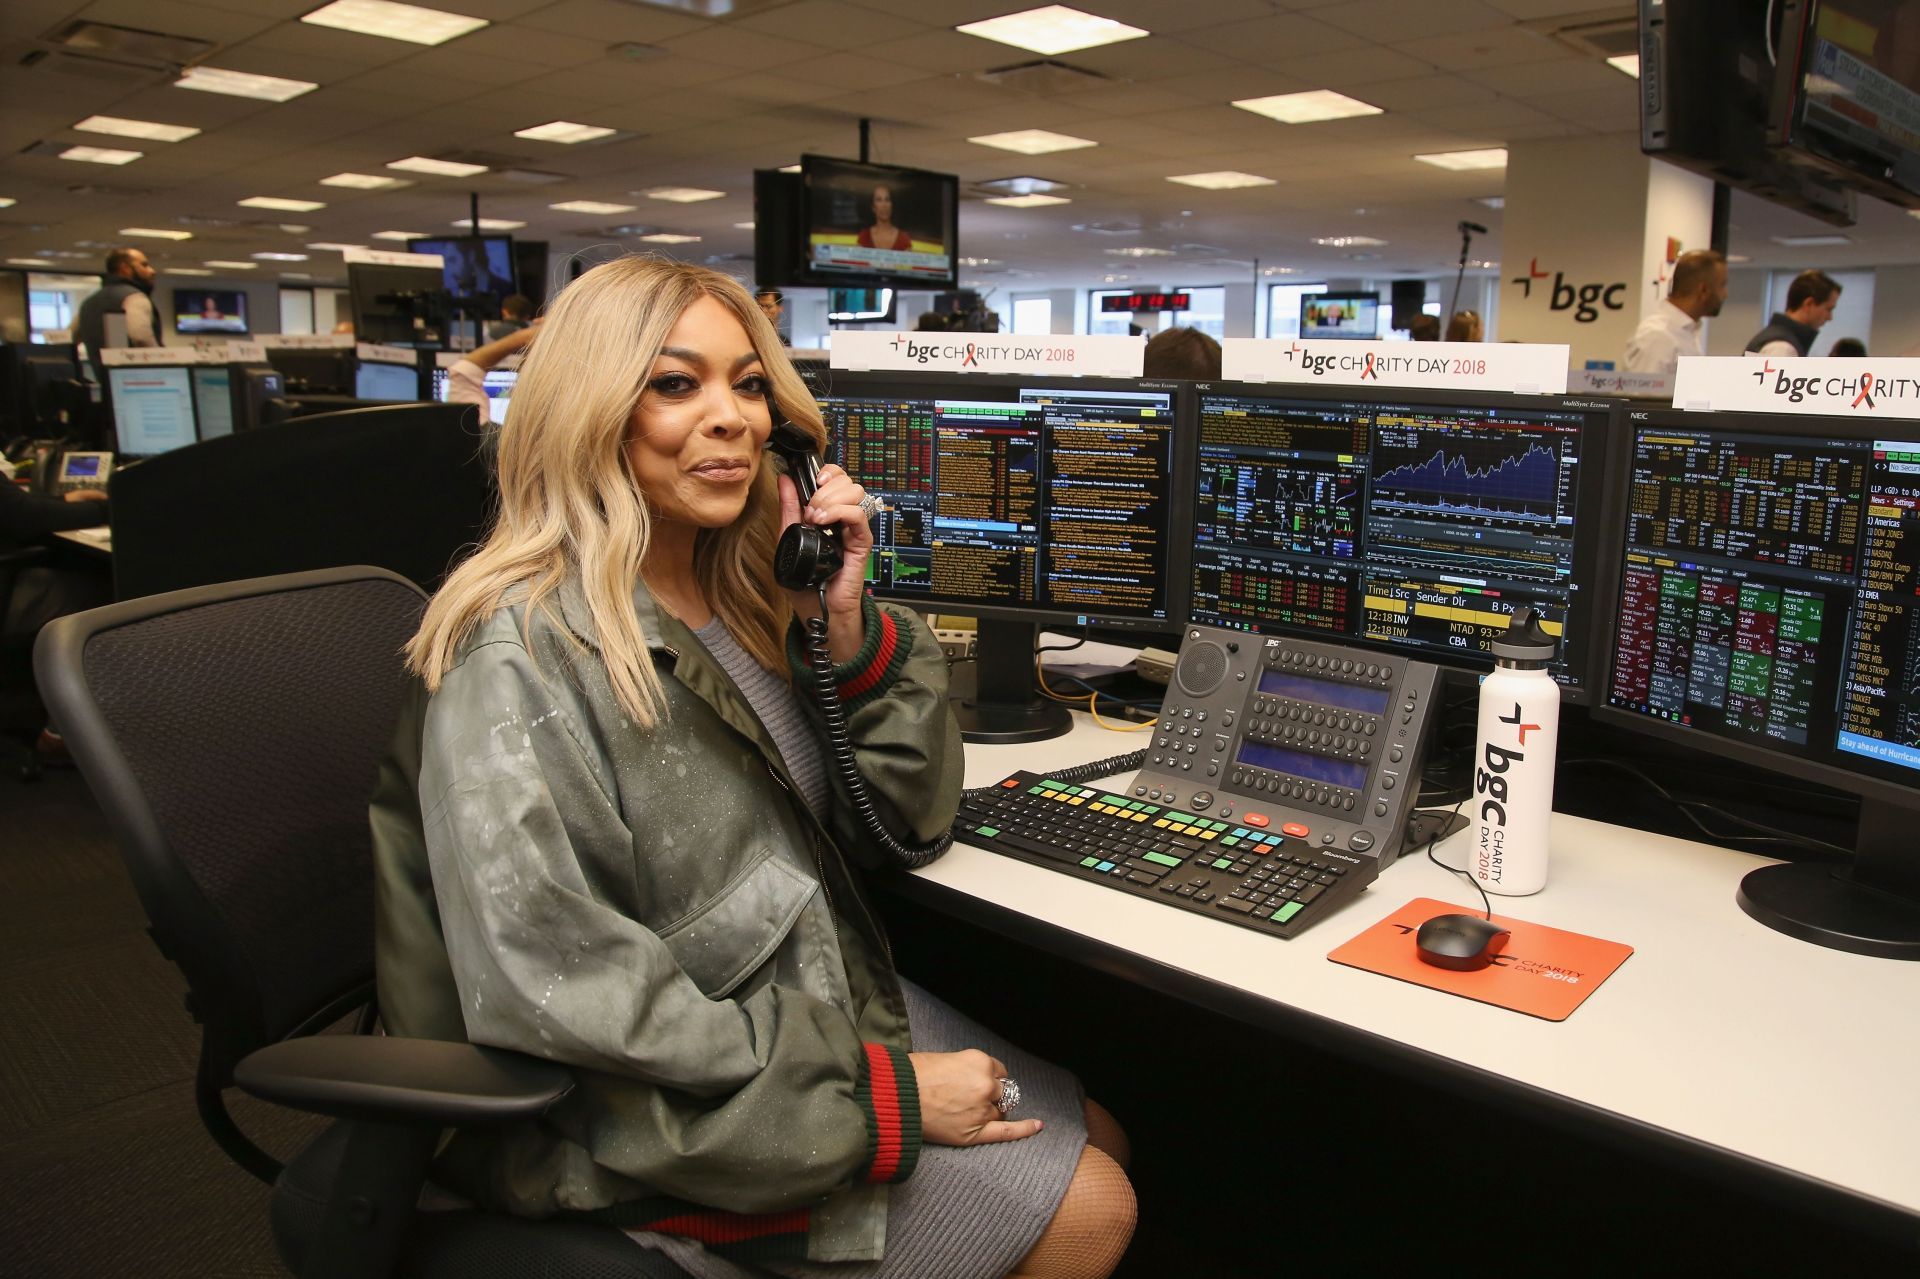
x,y
872,671
742,1236
889,1096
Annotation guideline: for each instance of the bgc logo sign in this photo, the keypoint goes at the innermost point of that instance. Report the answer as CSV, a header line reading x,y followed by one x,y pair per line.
x,y
1586,301
1097,355
1858,390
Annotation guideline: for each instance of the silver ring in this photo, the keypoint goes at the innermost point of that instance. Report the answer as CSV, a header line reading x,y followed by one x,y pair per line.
x,y
871,506
1009,1099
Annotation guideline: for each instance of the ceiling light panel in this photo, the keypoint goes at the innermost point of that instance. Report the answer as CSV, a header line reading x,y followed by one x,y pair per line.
x,y
487,224
594,206
1485,158
401,235
1627,62
243,84
683,195
7,202
564,131
185,270
283,205
101,155
439,168
670,237
281,257
227,265
1139,251
364,181
1224,180
155,233
1033,141
329,246
145,129
391,21
1035,201
1348,241
1311,107
1053,29
31,262
1812,241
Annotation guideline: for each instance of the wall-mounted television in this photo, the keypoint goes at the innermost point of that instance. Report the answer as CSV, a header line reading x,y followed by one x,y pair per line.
x,y
877,224
1340,315
210,311
478,269
1846,93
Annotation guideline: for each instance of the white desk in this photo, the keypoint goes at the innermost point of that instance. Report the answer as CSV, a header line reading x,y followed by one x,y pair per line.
x,y
98,539
1718,1036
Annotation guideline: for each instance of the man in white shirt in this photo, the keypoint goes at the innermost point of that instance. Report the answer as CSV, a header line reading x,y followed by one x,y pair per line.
x,y
1674,328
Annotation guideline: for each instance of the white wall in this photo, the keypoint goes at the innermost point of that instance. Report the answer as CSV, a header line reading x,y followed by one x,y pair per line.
x,y
1896,320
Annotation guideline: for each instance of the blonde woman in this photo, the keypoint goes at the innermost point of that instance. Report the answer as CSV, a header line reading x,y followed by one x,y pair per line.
x,y
1464,327
643,869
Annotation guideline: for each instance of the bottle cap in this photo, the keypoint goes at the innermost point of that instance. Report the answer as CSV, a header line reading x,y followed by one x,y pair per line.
x,y
1525,641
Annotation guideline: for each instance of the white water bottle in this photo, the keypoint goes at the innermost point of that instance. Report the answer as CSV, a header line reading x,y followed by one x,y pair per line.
x,y
1513,761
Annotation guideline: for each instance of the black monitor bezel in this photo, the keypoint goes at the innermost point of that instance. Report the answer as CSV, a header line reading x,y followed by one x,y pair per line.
x,y
428,245
1852,781
824,381
802,271
1594,494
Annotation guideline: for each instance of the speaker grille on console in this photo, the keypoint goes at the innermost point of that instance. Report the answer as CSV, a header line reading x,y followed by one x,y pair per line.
x,y
1201,668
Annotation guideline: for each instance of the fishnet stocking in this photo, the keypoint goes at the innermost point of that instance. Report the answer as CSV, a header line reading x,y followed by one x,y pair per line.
x,y
1091,1228
1104,1131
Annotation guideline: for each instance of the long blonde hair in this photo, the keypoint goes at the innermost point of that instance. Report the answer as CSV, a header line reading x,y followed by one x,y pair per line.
x,y
569,503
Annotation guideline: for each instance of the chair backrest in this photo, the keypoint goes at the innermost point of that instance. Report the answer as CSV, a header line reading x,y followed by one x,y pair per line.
x,y
407,487
233,734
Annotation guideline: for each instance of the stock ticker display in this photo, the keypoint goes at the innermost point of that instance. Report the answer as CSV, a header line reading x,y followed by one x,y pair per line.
x,y
1768,591
1044,498
1420,526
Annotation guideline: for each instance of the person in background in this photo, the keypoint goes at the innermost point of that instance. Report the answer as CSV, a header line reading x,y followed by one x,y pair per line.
x,y
343,327
65,584
467,379
1464,327
883,234
1425,328
1810,302
1844,347
1674,328
127,291
516,312
772,304
616,787
1183,353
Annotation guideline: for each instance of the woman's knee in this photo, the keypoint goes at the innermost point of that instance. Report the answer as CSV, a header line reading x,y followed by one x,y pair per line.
x,y
1090,1229
1105,1133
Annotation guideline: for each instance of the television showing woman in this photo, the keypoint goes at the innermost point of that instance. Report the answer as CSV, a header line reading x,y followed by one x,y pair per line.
x,y
883,234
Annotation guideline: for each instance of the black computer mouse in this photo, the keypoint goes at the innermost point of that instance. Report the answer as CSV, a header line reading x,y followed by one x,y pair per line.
x,y
1464,943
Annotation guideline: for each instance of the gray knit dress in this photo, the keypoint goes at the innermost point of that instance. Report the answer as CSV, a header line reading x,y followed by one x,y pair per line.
x,y
966,1212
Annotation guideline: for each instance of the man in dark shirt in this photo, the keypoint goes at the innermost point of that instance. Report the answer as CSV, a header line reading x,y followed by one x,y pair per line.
x,y
42,592
1810,302
127,291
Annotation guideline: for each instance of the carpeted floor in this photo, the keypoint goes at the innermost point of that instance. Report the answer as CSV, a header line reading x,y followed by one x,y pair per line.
x,y
106,1167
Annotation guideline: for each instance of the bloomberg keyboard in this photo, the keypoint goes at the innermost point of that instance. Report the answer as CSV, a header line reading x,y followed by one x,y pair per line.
x,y
1244,869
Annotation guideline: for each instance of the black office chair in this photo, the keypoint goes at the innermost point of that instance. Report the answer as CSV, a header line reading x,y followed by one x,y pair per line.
x,y
232,736
407,487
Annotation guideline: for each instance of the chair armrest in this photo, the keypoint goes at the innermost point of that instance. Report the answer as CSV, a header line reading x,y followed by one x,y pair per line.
x,y
388,1079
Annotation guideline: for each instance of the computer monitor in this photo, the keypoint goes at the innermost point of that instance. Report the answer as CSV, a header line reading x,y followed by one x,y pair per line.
x,y
378,380
1409,521
1765,584
254,385
152,410
213,401
324,370
210,311
1026,502
476,270
1340,315
499,386
399,305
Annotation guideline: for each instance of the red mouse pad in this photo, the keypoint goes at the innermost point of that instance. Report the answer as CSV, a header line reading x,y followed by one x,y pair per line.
x,y
1543,971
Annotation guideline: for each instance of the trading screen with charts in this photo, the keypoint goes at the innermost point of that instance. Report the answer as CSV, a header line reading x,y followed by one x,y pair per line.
x,y
1416,524
1768,591
1027,497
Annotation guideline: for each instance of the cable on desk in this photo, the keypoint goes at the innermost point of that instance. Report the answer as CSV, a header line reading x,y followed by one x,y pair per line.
x,y
1087,772
1686,808
1093,701
1470,877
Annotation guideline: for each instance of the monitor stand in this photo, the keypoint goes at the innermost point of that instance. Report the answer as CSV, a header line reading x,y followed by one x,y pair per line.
x,y
1004,704
1871,907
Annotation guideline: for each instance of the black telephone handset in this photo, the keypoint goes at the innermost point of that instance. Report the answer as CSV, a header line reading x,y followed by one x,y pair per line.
x,y
807,554
805,558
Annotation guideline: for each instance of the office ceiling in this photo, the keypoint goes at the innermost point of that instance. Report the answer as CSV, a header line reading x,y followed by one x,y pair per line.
x,y
702,103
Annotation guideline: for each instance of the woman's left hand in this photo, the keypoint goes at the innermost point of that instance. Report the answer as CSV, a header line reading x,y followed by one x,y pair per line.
x,y
836,502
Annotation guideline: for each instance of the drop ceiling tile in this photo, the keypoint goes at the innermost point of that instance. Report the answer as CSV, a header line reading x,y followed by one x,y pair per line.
x,y
1235,81
834,71
1344,69
1418,95
741,50
948,51
532,44
765,88
1273,38
1161,18
1133,100
1562,75
1477,49
223,26
1598,112
834,24
1412,19
616,20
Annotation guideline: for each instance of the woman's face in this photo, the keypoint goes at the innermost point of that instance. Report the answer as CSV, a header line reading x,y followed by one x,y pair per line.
x,y
882,205
701,426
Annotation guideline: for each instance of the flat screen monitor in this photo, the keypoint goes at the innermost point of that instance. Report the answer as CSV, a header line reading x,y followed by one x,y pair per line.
x,y
209,311
152,410
1410,521
378,380
878,224
1846,95
475,269
314,370
1767,612
499,387
857,306
1340,315
399,305
1021,501
213,401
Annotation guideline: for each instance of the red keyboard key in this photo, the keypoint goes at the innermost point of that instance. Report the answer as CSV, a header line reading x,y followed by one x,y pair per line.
x,y
1296,830
1253,819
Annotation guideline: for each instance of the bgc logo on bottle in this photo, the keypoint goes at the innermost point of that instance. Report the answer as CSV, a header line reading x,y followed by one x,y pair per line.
x,y
1586,301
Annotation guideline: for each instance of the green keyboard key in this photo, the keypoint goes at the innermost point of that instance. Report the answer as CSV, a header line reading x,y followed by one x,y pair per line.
x,y
1186,819
1162,858
987,832
1089,862
1222,863
1287,912
1056,786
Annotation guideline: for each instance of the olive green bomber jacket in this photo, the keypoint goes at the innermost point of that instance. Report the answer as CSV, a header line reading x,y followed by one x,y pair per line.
x,y
662,913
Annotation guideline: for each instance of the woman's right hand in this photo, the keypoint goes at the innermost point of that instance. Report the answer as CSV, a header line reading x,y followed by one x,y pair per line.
x,y
958,1092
